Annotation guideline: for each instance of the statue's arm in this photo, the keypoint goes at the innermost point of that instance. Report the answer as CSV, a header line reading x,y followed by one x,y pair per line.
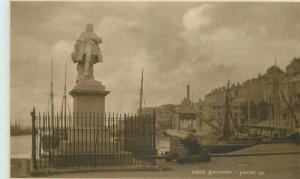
x,y
76,45
98,39
79,41
82,37
94,37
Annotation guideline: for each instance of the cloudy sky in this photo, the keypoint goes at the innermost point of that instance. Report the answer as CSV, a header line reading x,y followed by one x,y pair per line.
x,y
201,44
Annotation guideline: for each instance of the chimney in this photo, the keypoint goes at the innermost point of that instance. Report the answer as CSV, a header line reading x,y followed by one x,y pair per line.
x,y
188,92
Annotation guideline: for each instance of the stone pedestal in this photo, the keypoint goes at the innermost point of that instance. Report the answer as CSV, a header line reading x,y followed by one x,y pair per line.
x,y
88,98
90,137
88,102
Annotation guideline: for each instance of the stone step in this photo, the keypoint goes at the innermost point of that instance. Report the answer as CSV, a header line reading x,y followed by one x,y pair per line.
x,y
85,147
121,158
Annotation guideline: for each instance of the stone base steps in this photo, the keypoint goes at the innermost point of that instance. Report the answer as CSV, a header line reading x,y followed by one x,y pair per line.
x,y
124,158
89,147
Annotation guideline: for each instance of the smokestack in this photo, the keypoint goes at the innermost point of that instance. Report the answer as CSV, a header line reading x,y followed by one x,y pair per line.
x,y
188,92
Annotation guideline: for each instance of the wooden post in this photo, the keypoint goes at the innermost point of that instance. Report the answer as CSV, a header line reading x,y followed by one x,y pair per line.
x,y
33,147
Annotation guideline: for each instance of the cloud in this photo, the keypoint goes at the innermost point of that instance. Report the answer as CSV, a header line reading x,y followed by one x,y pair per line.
x,y
235,31
199,17
201,44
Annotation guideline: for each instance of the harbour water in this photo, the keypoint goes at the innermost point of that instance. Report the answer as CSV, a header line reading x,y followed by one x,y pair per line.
x,y
20,146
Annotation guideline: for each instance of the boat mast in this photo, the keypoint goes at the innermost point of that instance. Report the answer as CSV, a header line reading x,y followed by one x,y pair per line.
x,y
141,93
51,94
65,94
226,128
275,95
248,106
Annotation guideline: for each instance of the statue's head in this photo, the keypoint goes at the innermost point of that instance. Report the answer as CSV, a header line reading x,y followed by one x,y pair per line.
x,y
89,28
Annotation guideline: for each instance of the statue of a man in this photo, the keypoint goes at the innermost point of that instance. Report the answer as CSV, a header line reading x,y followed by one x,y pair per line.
x,y
87,53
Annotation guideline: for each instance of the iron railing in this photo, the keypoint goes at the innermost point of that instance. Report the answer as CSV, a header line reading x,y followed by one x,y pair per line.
x,y
92,139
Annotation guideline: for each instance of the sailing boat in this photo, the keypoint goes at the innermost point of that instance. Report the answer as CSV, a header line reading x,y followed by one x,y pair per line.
x,y
292,133
277,131
230,139
46,135
52,135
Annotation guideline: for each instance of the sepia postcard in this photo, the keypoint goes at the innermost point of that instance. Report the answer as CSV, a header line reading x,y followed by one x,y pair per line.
x,y
150,89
